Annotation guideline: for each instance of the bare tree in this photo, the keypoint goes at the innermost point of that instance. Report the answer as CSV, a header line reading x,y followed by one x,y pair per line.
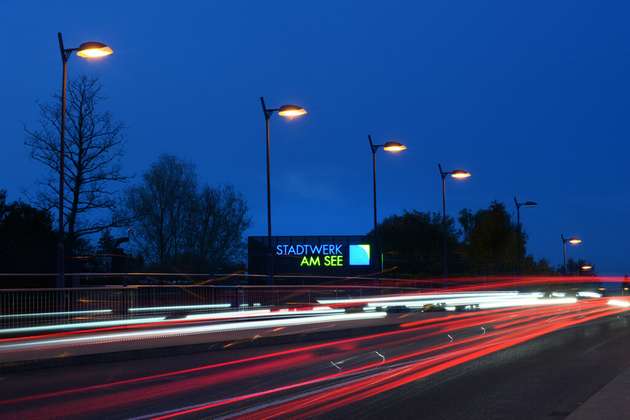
x,y
161,207
220,221
179,226
92,159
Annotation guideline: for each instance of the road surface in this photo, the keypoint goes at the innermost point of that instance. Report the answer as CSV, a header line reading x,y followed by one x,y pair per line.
x,y
526,362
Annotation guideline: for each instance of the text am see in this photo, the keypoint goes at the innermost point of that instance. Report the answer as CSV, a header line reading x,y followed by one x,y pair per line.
x,y
328,261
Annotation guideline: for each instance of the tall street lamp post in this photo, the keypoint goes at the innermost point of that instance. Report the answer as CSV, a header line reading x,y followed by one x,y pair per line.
x,y
391,147
290,112
519,204
86,50
574,241
458,174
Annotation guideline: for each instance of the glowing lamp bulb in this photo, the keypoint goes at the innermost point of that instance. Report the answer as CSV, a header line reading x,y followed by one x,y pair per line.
x,y
394,147
94,50
460,174
291,111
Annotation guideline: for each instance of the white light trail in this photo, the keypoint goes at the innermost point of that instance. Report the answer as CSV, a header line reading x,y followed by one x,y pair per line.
x,y
201,329
285,313
589,294
97,324
181,307
53,314
619,303
266,313
417,296
453,301
527,302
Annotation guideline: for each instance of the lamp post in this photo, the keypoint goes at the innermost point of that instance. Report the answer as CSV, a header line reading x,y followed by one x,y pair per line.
x,y
290,112
458,174
573,241
391,147
519,204
86,50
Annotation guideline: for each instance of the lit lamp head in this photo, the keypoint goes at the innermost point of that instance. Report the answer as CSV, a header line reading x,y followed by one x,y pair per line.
x,y
586,267
460,174
94,49
574,241
291,111
394,147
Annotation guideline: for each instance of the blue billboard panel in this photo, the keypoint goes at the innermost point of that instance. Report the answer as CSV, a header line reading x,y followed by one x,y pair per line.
x,y
328,255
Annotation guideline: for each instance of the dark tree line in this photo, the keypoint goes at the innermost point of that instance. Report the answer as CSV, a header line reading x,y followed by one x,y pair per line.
x,y
489,242
27,239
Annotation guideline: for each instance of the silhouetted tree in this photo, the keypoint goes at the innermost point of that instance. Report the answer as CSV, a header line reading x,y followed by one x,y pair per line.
x,y
412,242
491,240
27,240
161,206
215,239
92,159
106,242
533,266
177,226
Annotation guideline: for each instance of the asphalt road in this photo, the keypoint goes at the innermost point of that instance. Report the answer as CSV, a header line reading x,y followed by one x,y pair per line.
x,y
547,377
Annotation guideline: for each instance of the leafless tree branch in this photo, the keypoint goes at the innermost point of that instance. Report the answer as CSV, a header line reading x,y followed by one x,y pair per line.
x,y
93,149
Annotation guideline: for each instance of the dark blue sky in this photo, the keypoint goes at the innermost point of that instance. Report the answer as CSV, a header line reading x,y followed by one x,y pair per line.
x,y
531,96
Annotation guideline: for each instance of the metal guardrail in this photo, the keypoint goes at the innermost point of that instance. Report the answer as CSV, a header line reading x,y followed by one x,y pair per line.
x,y
22,308
168,295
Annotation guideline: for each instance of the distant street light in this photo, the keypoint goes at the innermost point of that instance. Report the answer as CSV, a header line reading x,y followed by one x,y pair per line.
x,y
458,174
574,241
86,50
392,147
519,204
586,267
290,112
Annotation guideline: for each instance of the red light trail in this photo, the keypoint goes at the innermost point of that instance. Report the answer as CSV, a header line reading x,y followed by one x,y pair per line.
x,y
305,381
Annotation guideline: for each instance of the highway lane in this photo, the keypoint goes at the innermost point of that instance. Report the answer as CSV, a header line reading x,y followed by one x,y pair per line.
x,y
294,379
547,378
85,337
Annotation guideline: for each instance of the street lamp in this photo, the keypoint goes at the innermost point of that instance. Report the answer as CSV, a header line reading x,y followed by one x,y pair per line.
x,y
391,147
87,50
519,204
458,174
290,112
573,241
524,204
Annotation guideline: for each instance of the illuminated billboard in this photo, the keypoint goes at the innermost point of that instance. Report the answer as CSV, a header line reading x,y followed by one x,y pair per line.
x,y
326,255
